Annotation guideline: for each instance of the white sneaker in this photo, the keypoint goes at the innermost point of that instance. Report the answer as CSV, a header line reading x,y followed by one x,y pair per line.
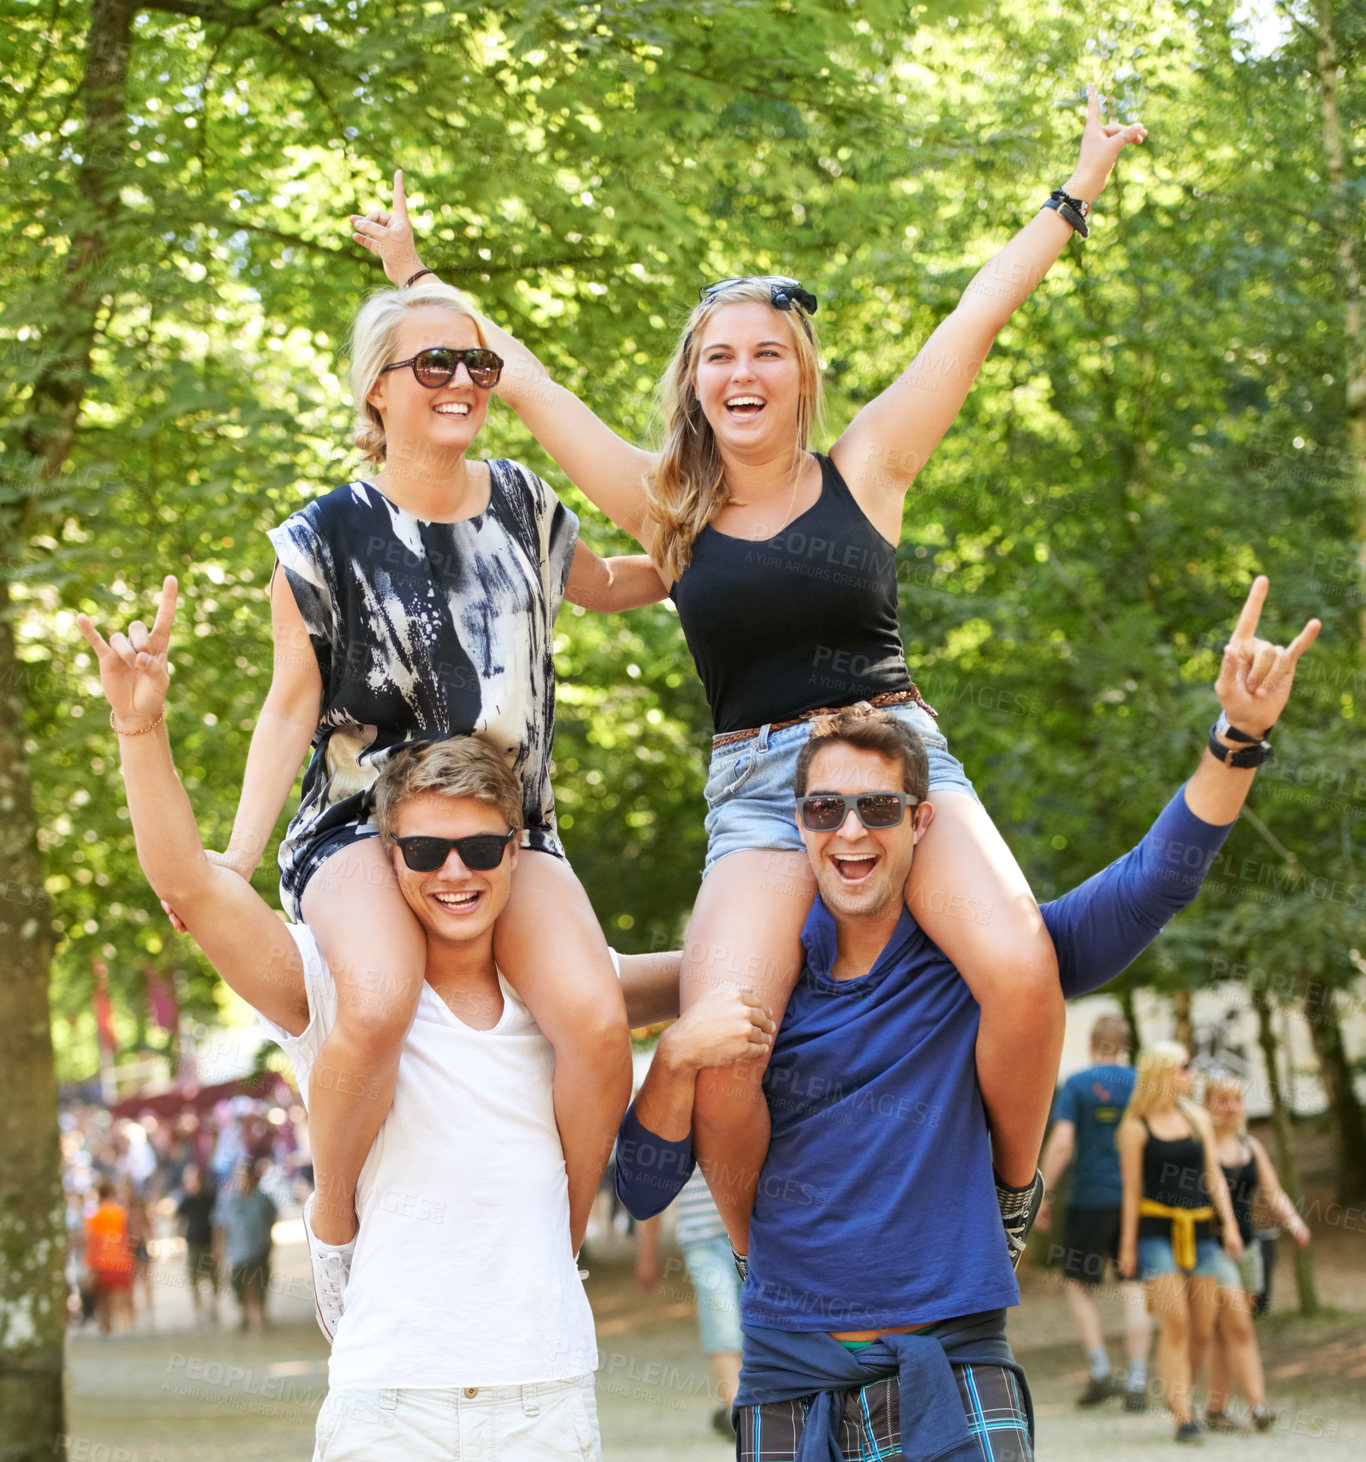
x,y
331,1270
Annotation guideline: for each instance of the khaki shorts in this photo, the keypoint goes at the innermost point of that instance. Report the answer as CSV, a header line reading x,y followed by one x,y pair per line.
x,y
551,1421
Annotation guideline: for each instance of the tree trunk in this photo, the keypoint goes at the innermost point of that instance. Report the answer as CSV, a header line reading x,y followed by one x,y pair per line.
x,y
1181,1014
33,1316
69,332
1126,1004
32,1211
1349,1125
1343,225
1284,1138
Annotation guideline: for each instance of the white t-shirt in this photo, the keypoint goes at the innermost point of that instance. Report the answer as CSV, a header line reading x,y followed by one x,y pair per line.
x,y
462,1273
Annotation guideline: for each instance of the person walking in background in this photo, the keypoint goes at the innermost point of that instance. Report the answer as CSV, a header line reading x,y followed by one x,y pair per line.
x,y
195,1212
109,1260
1234,1356
243,1218
1086,1118
1173,1187
139,1240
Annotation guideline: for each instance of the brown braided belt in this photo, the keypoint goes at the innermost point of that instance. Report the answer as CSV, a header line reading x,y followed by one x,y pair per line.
x,y
887,698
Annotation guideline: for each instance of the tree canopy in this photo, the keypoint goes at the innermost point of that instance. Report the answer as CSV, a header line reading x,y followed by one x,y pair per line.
x,y
1165,417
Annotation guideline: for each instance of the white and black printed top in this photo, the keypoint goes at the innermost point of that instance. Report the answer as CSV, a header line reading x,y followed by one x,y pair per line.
x,y
424,630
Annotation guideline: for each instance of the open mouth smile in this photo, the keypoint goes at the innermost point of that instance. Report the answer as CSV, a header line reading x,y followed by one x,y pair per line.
x,y
745,408
854,868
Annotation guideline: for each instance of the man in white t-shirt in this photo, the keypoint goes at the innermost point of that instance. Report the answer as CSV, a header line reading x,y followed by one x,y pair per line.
x,y
466,1330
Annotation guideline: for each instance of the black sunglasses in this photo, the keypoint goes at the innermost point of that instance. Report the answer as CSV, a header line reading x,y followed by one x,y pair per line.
x,y
823,812
783,291
436,367
479,852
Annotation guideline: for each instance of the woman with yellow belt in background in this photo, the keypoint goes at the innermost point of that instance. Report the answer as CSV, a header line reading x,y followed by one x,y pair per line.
x,y
1173,1187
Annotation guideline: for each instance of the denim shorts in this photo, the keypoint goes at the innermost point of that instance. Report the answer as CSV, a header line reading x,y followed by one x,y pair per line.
x,y
553,1421
716,1287
1156,1257
751,801
1248,1272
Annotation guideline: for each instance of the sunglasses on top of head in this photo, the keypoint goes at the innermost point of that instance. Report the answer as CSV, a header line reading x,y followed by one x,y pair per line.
x,y
479,852
784,292
436,367
824,812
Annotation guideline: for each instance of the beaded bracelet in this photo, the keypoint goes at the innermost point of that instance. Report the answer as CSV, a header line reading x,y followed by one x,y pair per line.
x,y
160,717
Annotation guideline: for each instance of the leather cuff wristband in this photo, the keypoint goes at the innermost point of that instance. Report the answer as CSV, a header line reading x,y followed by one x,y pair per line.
x,y
1252,755
1073,210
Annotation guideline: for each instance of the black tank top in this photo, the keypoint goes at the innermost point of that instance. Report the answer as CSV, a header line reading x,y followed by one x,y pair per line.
x,y
1174,1174
780,626
1242,1185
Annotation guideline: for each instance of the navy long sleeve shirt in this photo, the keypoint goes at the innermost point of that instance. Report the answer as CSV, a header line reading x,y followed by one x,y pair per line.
x,y
876,1204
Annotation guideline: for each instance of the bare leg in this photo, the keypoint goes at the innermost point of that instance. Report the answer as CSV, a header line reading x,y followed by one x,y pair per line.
x,y
1085,1315
1138,1326
1200,1291
1217,1387
968,894
745,930
377,953
1168,1293
1236,1344
549,945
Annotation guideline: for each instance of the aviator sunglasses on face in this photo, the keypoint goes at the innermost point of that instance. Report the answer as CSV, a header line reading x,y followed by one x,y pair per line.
x,y
479,852
436,367
823,812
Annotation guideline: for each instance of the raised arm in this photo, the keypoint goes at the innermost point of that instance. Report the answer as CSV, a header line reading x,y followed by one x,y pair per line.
x,y
891,439
1100,928
245,941
606,468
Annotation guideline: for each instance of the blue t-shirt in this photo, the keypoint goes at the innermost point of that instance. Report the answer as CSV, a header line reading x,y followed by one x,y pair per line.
x,y
1093,1101
876,1204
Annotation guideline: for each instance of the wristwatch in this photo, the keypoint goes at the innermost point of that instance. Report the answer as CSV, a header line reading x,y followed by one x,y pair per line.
x,y
1256,749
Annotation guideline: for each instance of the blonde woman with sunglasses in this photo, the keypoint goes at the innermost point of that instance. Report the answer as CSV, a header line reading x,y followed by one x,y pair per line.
x,y
781,562
415,603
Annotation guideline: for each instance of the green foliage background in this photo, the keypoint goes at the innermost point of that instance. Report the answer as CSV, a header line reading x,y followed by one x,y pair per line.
x,y
1164,418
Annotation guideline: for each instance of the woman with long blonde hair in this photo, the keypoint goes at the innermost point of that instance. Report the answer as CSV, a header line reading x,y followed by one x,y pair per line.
x,y
782,563
1235,1359
1173,1187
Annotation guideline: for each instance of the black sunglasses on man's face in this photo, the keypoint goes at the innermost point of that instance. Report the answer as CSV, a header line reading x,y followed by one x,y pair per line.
x,y
479,852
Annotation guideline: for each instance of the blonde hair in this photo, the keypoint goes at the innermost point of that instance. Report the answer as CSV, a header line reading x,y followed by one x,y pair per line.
x,y
1152,1085
1223,1081
461,766
685,488
372,343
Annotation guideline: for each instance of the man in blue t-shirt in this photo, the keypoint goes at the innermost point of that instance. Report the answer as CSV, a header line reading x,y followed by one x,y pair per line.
x,y
1085,1115
878,1267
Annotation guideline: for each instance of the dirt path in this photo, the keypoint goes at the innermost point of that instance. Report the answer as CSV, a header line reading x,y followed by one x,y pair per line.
x,y
180,1394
